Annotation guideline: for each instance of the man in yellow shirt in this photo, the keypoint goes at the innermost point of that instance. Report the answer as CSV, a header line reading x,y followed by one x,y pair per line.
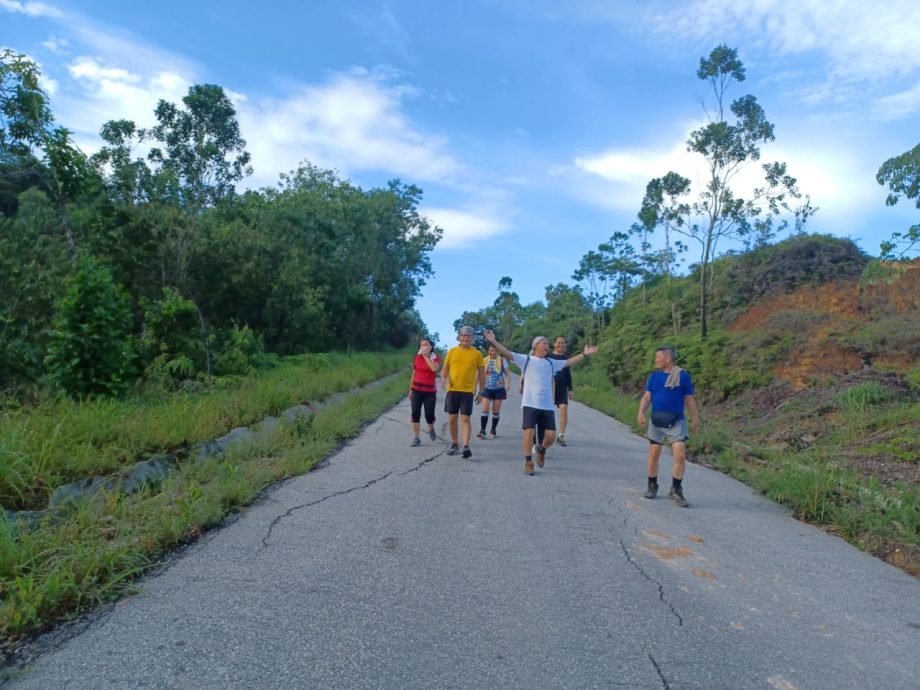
x,y
463,369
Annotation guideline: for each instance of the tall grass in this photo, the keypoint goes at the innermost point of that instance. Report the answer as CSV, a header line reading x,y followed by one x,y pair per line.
x,y
62,567
61,441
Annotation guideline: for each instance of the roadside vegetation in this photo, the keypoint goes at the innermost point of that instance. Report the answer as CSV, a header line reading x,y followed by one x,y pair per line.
x,y
91,554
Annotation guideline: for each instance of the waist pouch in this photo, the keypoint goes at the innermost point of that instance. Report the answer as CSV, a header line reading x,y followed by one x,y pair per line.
x,y
665,420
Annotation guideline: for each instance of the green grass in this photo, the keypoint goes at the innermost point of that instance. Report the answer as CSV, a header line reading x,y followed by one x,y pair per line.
x,y
61,441
64,566
818,484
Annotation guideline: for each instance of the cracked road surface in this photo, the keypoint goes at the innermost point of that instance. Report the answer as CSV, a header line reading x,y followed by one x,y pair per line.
x,y
399,567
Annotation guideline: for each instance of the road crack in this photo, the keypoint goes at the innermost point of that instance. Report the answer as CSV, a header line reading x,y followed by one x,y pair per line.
x,y
278,519
664,681
637,566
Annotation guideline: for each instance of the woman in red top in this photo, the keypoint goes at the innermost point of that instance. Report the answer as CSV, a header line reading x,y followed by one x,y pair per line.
x,y
422,388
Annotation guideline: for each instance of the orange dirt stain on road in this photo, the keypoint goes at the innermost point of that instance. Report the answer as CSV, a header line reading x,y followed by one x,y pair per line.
x,y
698,540
703,573
668,554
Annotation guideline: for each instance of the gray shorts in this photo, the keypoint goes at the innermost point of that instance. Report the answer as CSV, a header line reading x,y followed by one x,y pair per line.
x,y
676,434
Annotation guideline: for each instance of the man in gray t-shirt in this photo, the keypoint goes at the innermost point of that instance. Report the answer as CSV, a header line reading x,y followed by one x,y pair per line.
x,y
537,399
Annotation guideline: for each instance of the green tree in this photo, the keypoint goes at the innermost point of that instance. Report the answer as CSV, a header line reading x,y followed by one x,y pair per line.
x,y
197,159
902,175
729,146
24,118
90,352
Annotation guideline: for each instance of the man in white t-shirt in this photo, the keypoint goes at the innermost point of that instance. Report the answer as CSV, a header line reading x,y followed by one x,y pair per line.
x,y
537,400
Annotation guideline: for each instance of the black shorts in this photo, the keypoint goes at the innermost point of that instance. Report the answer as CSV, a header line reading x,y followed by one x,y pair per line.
x,y
417,400
494,394
535,418
561,395
458,402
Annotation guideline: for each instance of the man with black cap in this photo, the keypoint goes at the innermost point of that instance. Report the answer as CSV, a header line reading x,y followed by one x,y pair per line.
x,y
463,369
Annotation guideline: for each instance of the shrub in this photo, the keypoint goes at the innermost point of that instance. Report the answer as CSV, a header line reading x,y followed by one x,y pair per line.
x,y
172,344
90,352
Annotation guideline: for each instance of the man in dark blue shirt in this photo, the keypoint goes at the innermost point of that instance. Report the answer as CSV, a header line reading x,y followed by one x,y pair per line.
x,y
668,390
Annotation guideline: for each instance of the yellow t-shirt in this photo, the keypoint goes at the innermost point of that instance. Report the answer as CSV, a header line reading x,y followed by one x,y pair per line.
x,y
463,367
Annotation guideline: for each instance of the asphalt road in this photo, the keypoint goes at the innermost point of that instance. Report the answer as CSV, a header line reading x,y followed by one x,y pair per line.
x,y
399,567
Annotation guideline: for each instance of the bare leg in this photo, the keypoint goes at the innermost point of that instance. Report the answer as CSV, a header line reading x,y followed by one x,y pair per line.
x,y
563,418
654,452
452,426
679,450
466,428
415,428
528,442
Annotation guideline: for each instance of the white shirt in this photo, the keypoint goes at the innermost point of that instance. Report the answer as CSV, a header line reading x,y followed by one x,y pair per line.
x,y
538,380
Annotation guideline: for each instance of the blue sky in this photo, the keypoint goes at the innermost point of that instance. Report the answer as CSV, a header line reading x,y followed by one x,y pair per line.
x,y
532,126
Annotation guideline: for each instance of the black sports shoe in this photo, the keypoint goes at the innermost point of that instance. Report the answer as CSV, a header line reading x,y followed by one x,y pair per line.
x,y
454,449
651,491
416,442
467,453
434,436
677,495
541,456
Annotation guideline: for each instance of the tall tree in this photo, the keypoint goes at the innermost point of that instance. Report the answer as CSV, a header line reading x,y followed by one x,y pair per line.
x,y
728,143
25,117
902,175
198,158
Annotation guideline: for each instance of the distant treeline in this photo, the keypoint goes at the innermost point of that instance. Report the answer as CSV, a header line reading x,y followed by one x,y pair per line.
x,y
141,263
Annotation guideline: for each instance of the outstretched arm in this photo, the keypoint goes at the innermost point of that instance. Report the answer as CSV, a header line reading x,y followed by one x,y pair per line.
x,y
490,336
589,350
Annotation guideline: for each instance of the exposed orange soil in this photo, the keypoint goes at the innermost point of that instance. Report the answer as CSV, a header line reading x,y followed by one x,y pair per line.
x,y
843,300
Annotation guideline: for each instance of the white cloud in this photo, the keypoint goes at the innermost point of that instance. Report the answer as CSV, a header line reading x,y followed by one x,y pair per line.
x,y
98,93
898,105
31,9
861,42
58,46
463,228
354,122
90,69
839,180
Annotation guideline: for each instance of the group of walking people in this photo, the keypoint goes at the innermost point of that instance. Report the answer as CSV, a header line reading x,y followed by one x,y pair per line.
x,y
470,379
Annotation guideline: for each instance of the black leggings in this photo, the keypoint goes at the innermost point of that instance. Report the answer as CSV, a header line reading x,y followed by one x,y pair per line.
x,y
420,398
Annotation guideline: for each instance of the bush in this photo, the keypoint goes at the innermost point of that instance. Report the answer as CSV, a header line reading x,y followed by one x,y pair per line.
x,y
241,351
172,343
90,353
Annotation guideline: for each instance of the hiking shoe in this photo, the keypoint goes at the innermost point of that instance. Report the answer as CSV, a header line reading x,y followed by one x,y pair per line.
x,y
454,449
433,435
541,456
467,453
651,491
493,435
481,435
528,468
416,442
561,440
677,495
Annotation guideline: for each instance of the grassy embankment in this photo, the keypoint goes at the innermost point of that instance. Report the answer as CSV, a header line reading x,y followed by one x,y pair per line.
x,y
818,483
808,383
91,554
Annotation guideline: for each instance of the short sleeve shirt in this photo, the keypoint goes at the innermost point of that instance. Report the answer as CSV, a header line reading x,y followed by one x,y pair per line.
x,y
538,380
424,379
669,399
463,368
